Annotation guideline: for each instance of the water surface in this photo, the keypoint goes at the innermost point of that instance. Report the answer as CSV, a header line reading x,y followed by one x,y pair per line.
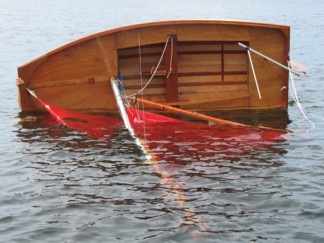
x,y
60,185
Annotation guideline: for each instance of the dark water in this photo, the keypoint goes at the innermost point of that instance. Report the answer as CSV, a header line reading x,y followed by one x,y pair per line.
x,y
60,185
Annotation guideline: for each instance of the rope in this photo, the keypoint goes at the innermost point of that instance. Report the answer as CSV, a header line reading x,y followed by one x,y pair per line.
x,y
157,67
296,99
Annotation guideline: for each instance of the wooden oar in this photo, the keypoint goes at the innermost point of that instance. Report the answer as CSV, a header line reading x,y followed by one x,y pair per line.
x,y
201,116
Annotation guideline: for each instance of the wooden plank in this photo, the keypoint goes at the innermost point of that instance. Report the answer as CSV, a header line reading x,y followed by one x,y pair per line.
x,y
95,97
202,52
96,57
222,73
205,97
213,88
171,61
222,62
198,84
69,82
191,32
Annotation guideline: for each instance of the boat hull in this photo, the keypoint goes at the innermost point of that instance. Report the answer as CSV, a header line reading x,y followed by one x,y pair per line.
x,y
202,67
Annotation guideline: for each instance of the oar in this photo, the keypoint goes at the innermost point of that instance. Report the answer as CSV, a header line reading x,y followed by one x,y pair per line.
x,y
201,116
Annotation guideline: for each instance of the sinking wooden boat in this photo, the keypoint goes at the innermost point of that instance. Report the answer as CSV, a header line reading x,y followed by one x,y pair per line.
x,y
192,64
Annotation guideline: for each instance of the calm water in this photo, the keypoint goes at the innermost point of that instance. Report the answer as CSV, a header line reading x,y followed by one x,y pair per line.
x,y
59,185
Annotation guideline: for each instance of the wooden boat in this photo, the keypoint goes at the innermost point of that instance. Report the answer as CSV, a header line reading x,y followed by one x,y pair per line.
x,y
192,64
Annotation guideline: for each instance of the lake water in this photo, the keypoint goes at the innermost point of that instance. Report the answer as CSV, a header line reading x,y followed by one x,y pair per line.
x,y
60,185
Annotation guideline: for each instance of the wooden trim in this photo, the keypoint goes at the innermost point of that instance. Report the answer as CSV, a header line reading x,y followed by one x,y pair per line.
x,y
222,61
171,78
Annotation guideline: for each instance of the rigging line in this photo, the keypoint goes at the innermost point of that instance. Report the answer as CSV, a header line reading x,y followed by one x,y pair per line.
x,y
155,70
254,75
295,95
141,77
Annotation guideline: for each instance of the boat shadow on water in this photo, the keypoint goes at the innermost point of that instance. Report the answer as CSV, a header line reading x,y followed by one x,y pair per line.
x,y
189,158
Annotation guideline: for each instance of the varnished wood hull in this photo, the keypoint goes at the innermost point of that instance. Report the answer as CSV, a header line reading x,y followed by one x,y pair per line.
x,y
203,67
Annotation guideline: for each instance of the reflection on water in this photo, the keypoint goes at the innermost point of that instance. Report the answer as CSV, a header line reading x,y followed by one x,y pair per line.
x,y
198,182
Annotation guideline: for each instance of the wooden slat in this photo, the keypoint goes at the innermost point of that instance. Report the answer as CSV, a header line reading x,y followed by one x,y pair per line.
x,y
211,73
171,79
211,83
210,97
210,52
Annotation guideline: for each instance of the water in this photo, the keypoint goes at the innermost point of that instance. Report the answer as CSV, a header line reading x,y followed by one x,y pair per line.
x,y
59,185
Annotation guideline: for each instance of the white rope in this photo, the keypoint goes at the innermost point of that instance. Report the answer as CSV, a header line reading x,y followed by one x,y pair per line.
x,y
156,69
296,99
254,75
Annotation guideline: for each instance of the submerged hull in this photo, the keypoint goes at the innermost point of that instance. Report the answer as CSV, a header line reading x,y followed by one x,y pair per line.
x,y
202,67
